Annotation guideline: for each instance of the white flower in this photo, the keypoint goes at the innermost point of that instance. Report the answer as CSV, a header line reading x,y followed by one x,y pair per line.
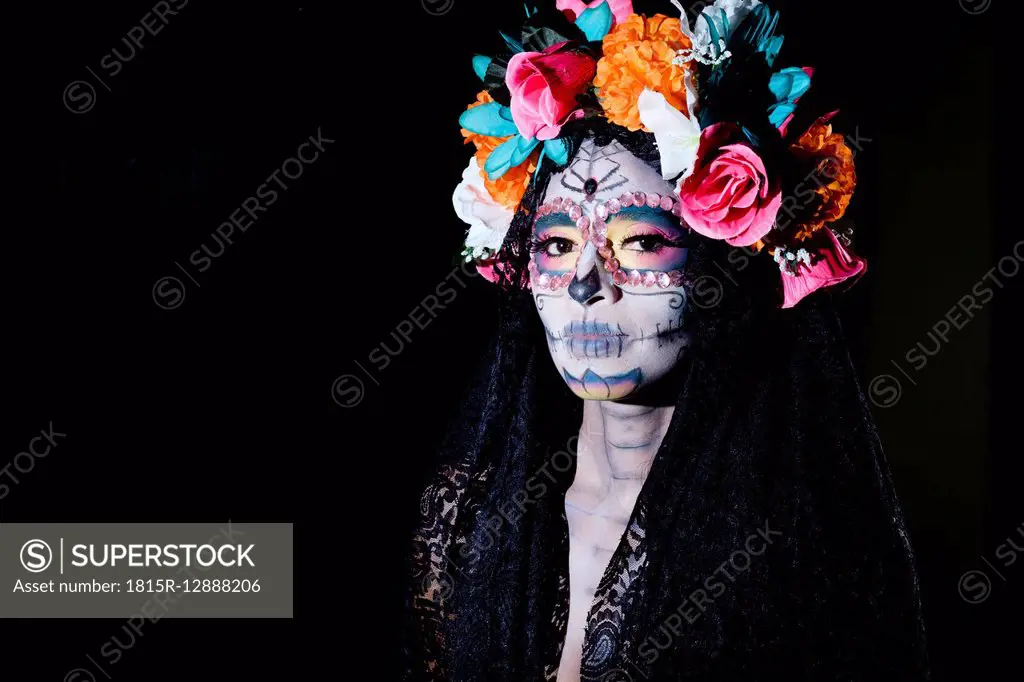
x,y
735,12
678,137
487,219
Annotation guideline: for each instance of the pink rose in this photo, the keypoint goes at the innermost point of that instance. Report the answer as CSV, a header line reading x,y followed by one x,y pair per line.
x,y
544,86
830,265
729,196
621,9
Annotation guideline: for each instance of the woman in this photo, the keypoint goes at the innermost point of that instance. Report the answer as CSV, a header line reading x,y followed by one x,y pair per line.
x,y
708,500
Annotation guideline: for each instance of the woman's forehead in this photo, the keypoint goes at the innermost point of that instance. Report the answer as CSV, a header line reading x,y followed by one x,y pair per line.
x,y
598,174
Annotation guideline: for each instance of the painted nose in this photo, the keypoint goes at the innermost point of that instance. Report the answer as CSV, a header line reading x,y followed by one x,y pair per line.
x,y
588,285
582,290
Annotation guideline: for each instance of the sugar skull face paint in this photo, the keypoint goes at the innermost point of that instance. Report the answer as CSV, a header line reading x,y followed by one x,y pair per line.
x,y
596,387
556,245
607,272
648,239
629,237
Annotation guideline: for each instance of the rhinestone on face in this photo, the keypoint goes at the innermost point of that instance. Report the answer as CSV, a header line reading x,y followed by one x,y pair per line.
x,y
544,281
601,212
653,200
639,199
611,265
583,222
635,278
664,281
677,277
614,206
626,200
667,203
619,277
604,252
575,212
649,279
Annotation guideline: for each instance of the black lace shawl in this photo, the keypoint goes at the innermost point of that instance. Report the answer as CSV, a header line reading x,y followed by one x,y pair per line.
x,y
770,494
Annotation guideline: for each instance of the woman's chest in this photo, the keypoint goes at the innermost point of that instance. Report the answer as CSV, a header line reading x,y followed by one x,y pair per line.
x,y
594,535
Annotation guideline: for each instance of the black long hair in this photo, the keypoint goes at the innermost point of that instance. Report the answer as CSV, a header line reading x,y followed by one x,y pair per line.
x,y
771,438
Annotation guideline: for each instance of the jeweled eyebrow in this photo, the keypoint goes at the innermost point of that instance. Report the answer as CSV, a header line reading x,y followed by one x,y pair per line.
x,y
646,212
554,220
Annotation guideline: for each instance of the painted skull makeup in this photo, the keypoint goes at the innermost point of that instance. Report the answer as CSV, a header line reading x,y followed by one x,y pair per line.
x,y
607,271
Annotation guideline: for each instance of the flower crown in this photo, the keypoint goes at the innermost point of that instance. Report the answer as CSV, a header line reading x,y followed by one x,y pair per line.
x,y
719,110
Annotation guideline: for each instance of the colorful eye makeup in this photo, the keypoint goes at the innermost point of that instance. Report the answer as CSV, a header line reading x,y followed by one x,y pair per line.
x,y
638,236
648,239
555,245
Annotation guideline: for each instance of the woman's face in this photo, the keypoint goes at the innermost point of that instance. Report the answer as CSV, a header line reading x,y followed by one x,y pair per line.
x,y
606,273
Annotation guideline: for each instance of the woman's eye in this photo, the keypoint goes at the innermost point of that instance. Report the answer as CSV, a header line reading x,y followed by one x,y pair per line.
x,y
645,242
558,247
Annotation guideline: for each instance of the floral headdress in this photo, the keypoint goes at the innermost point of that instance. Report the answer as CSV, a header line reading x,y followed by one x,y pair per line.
x,y
720,112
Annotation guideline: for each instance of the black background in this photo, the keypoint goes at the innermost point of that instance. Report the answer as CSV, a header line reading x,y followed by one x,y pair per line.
x,y
223,407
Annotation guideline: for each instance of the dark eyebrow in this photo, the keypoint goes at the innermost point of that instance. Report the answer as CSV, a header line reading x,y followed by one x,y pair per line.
x,y
554,220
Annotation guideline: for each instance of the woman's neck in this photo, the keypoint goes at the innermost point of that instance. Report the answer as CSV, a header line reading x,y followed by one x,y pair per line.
x,y
618,443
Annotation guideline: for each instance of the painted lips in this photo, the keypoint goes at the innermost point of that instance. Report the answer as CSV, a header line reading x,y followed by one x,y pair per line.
x,y
593,339
591,329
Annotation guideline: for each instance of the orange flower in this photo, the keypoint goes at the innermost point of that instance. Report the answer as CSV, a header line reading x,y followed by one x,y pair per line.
x,y
482,97
638,54
833,174
508,190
